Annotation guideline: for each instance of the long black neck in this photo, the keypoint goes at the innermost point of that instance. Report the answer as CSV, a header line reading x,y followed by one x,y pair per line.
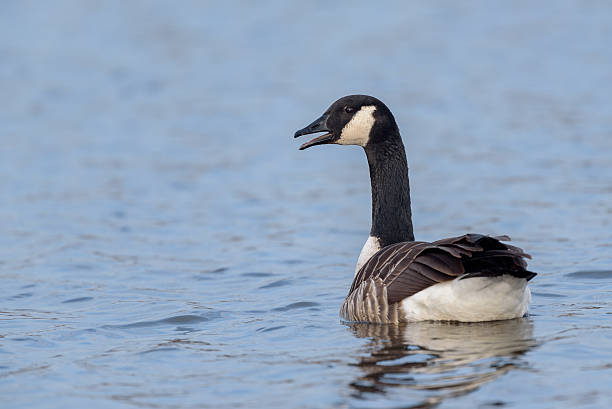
x,y
391,214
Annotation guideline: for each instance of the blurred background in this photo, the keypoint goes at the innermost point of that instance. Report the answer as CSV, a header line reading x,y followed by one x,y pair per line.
x,y
166,245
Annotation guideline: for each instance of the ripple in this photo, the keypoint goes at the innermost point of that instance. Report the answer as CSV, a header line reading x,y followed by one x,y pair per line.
x,y
292,261
278,283
78,299
591,274
270,329
296,305
178,319
210,274
216,270
257,274
162,349
549,295
81,267
21,295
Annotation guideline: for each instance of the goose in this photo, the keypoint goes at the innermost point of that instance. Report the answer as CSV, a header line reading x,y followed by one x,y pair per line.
x,y
469,278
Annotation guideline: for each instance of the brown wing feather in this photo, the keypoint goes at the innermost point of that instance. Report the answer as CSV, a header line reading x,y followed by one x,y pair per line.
x,y
403,269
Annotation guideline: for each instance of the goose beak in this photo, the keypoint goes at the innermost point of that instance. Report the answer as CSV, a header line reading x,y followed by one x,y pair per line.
x,y
319,125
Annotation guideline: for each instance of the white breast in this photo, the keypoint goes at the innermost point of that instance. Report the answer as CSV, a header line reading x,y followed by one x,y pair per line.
x,y
470,300
371,246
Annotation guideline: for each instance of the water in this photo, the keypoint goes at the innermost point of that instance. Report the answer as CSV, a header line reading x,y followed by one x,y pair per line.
x,y
165,244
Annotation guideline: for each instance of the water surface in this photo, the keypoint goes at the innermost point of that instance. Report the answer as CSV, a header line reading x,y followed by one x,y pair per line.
x,y
166,245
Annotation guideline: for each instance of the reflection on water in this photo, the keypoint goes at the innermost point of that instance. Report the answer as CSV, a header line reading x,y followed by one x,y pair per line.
x,y
440,359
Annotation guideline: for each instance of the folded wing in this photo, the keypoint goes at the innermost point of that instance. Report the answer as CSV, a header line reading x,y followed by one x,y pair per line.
x,y
403,269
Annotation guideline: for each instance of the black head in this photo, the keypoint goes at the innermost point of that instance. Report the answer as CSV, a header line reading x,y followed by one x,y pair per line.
x,y
353,120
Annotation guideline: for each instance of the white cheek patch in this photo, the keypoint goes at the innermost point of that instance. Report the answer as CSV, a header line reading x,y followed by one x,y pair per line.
x,y
357,131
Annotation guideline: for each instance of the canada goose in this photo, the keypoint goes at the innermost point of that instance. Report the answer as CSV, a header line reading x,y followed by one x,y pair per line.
x,y
467,278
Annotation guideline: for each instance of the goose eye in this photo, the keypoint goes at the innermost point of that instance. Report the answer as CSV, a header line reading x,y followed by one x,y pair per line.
x,y
349,110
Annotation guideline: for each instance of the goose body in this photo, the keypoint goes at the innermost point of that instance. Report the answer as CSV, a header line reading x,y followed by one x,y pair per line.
x,y
469,278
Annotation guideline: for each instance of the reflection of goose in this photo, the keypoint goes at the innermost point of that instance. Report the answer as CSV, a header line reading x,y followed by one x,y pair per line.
x,y
438,360
468,278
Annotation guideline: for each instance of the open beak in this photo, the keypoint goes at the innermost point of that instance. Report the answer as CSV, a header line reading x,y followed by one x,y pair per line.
x,y
319,125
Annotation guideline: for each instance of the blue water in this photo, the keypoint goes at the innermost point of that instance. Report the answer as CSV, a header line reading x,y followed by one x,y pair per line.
x,y
165,245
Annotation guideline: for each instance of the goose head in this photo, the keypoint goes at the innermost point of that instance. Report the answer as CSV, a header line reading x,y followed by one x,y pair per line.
x,y
359,120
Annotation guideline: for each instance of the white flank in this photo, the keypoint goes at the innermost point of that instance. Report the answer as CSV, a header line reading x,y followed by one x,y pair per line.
x,y
371,246
357,130
470,300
